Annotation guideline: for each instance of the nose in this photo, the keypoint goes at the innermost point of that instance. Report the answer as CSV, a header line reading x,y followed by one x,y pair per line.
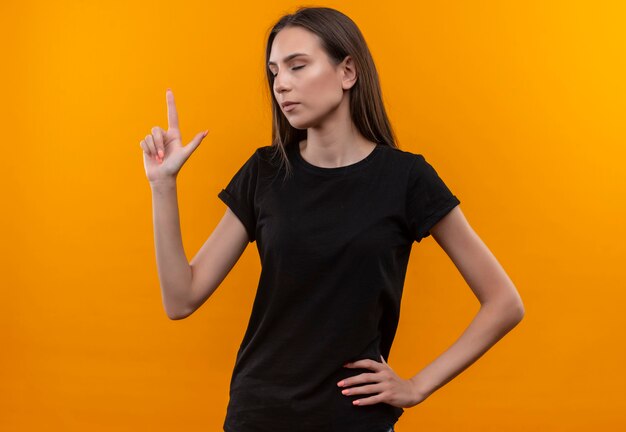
x,y
279,83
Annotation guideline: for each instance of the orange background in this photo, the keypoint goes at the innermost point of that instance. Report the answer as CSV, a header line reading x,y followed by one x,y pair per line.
x,y
519,105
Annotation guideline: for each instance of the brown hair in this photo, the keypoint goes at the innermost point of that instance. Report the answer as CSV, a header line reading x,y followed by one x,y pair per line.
x,y
340,37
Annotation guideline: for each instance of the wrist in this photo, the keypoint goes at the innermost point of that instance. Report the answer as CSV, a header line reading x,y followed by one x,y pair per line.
x,y
421,388
163,183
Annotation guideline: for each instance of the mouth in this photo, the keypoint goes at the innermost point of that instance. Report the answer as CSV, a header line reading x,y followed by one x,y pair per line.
x,y
290,106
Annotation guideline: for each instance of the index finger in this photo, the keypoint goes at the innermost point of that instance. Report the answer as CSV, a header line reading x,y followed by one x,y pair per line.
x,y
172,114
364,364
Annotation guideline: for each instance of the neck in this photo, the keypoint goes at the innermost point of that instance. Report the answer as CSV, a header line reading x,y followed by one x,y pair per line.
x,y
335,143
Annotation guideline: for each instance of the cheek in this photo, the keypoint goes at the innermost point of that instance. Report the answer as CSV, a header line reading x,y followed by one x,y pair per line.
x,y
322,90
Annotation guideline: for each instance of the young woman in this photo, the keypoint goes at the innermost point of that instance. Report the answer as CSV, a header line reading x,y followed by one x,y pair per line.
x,y
334,207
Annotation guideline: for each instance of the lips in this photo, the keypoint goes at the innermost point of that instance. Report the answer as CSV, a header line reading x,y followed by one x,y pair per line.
x,y
290,107
286,104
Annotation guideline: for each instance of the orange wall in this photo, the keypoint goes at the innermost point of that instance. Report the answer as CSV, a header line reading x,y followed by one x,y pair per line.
x,y
518,104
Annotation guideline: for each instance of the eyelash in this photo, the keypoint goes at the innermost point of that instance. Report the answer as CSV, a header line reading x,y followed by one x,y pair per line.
x,y
293,68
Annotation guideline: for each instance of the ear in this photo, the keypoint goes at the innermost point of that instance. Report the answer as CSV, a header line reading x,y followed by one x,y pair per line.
x,y
349,73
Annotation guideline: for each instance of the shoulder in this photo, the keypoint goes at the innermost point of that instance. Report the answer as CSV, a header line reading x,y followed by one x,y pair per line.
x,y
260,156
405,161
416,171
401,154
265,163
268,154
263,151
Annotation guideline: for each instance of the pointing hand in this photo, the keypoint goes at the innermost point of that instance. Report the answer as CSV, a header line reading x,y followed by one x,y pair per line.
x,y
163,153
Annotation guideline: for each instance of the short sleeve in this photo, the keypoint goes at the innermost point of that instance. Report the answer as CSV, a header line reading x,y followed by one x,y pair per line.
x,y
428,199
240,192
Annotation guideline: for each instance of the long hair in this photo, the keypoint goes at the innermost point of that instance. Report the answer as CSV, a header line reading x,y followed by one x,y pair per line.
x,y
340,37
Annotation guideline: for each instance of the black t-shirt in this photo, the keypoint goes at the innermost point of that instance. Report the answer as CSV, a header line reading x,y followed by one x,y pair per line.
x,y
334,244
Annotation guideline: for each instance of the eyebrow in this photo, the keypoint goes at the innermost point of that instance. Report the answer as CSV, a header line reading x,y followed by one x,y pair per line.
x,y
289,57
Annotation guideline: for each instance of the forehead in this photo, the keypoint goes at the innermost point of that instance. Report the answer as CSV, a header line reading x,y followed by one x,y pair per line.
x,y
292,40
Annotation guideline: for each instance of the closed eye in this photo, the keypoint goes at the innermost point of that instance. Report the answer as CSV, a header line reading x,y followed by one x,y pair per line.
x,y
293,68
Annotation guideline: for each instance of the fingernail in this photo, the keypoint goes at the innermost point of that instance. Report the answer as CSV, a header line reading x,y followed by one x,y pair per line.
x,y
340,383
205,133
161,154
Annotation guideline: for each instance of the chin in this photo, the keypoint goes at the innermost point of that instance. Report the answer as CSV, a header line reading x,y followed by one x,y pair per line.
x,y
300,124
303,124
299,127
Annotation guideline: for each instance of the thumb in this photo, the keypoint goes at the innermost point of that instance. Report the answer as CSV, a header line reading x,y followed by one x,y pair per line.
x,y
195,142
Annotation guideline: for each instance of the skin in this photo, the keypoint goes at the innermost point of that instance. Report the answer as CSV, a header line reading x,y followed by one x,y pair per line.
x,y
163,157
501,309
322,90
333,141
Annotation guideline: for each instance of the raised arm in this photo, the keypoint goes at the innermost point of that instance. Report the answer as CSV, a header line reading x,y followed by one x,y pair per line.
x,y
184,286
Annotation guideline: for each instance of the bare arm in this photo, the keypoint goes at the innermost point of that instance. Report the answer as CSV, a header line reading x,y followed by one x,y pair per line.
x,y
186,286
501,306
216,258
173,269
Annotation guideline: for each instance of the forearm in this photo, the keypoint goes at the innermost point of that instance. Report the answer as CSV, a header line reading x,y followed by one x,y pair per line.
x,y
172,264
491,323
